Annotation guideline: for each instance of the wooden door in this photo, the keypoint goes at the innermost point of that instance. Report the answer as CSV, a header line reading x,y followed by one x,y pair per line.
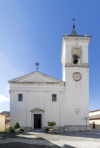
x,y
37,121
93,124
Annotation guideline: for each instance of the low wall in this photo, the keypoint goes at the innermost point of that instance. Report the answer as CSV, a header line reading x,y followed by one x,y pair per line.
x,y
26,128
63,128
56,128
77,128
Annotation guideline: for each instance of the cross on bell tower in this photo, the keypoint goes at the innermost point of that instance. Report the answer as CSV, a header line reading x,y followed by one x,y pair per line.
x,y
73,22
74,32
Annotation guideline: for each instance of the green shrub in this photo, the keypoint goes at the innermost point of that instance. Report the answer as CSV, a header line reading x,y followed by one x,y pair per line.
x,y
16,125
46,130
12,131
51,124
4,132
22,129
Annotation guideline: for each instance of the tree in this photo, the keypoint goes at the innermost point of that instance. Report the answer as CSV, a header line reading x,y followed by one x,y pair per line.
x,y
51,123
16,125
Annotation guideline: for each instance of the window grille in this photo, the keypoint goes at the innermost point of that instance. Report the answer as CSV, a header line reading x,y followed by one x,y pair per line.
x,y
20,97
54,97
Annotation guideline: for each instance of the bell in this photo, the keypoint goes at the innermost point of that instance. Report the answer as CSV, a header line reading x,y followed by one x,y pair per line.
x,y
75,61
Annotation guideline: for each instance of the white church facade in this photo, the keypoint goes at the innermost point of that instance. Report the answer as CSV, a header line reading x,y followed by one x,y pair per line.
x,y
37,98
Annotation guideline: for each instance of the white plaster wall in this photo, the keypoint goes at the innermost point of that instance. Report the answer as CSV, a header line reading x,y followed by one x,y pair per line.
x,y
85,54
79,44
37,96
77,96
63,63
35,78
66,50
67,54
77,92
11,108
76,42
94,113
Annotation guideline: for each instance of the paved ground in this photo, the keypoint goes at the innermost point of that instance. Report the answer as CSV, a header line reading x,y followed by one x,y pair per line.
x,y
39,139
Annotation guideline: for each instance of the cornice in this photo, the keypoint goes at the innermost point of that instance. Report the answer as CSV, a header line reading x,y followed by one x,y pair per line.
x,y
29,91
82,38
40,83
85,65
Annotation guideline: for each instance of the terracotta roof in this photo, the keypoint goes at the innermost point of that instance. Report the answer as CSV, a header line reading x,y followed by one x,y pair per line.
x,y
94,110
6,113
2,114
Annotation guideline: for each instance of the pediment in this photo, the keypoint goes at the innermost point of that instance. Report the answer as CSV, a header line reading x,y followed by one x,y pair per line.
x,y
37,110
35,77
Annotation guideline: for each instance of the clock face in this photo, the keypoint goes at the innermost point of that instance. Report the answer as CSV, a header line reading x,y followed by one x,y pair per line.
x,y
77,76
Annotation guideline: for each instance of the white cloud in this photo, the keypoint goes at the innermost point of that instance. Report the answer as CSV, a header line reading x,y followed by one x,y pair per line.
x,y
0,111
7,88
3,98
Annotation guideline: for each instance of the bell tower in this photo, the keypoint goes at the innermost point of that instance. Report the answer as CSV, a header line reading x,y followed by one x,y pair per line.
x,y
75,72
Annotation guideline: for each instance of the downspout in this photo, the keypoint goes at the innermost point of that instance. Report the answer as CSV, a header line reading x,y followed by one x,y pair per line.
x,y
26,111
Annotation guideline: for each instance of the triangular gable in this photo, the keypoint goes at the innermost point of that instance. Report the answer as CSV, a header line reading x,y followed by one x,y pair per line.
x,y
37,110
35,77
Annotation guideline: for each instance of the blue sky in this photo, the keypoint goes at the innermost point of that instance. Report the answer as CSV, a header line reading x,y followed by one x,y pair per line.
x,y
32,30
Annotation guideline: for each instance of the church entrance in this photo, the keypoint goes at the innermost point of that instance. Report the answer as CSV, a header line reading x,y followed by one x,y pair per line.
x,y
37,121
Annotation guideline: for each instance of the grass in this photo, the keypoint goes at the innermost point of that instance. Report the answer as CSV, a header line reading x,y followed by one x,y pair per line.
x,y
4,132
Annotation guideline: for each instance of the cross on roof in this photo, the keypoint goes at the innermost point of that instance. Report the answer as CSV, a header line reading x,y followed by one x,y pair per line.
x,y
37,64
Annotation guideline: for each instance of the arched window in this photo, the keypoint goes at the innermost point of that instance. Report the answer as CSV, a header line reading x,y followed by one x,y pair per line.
x,y
76,56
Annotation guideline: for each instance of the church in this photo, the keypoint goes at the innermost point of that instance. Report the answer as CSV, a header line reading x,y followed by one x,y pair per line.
x,y
37,98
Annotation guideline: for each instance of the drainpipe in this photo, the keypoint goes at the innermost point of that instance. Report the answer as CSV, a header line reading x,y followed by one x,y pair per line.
x,y
86,122
26,111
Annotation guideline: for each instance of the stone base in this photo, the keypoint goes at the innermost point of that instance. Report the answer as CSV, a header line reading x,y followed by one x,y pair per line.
x,y
61,128
56,128
77,128
45,127
28,128
10,128
51,132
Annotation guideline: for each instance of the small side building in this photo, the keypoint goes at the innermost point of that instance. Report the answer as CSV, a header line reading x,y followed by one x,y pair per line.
x,y
94,119
2,122
7,119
